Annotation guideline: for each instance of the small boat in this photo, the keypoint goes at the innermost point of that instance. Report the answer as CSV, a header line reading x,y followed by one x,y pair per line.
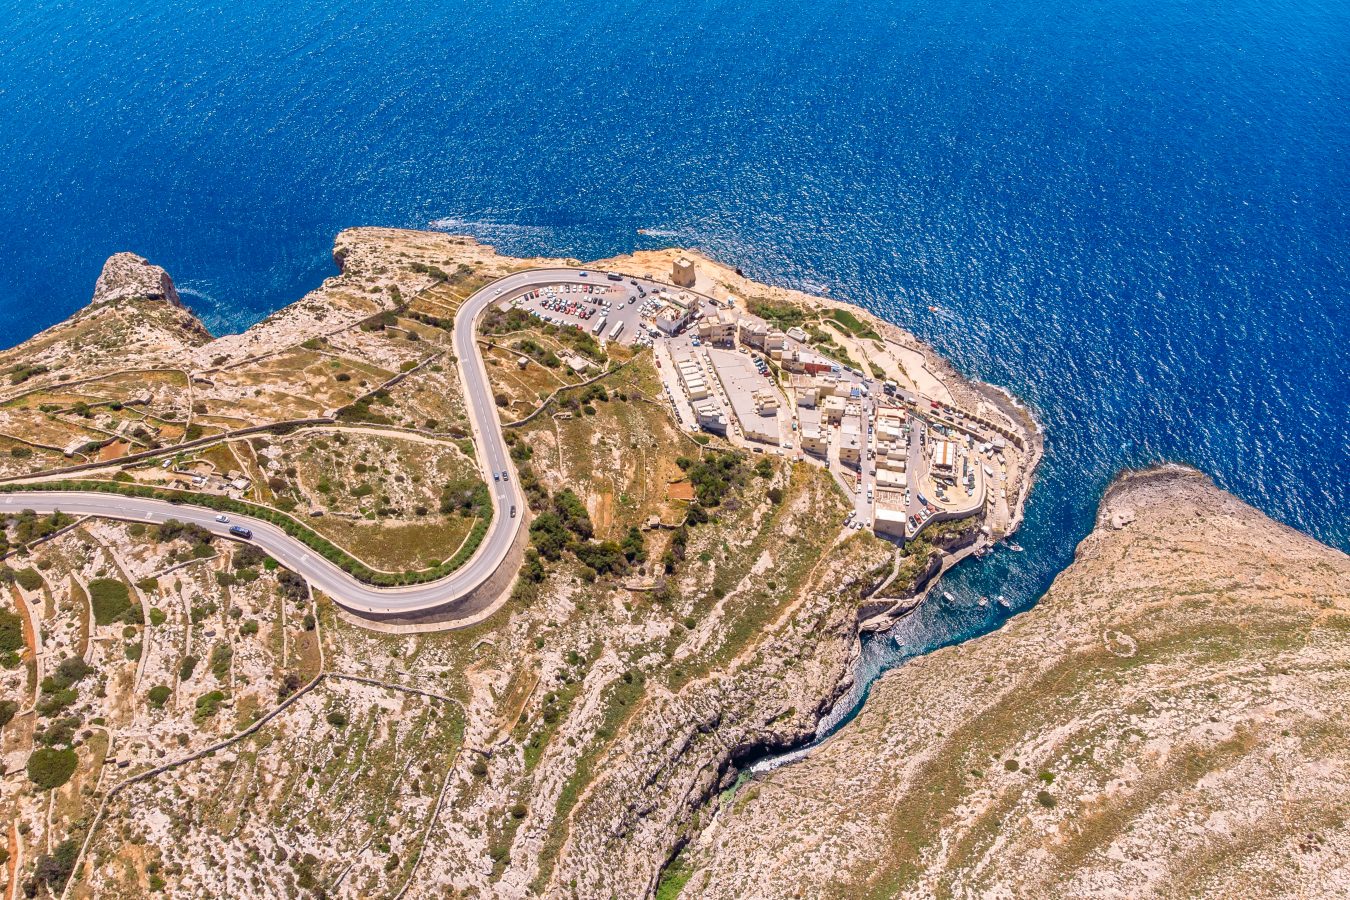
x,y
932,309
1003,602
984,601
1016,548
946,595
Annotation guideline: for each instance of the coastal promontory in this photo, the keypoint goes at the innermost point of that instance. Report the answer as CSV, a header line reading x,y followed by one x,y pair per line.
x,y
1166,721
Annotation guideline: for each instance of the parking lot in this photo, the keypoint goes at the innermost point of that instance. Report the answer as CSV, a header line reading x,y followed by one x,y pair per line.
x,y
609,310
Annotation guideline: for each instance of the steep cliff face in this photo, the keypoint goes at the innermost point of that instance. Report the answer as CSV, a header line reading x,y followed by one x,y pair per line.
x,y
1165,722
128,275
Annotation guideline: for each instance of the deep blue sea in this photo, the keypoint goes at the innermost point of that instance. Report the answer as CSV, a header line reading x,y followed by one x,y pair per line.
x,y
1134,215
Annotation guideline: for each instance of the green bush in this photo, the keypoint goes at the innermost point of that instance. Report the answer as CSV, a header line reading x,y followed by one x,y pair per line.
x,y
50,768
28,579
221,655
53,869
110,599
159,695
11,632
157,616
208,704
8,709
187,667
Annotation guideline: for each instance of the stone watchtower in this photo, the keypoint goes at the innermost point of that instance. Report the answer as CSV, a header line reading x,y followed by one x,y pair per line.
x,y
682,273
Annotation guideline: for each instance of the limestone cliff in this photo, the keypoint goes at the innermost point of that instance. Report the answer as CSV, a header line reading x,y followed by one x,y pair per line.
x,y
128,275
1165,722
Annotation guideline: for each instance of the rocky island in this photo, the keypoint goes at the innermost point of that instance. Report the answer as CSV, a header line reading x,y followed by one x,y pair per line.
x,y
470,575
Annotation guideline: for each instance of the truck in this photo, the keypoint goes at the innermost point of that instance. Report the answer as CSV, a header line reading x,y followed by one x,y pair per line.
x,y
240,531
599,326
616,331
614,276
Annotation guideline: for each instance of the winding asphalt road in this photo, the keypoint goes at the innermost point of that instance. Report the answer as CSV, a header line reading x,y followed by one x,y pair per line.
x,y
358,597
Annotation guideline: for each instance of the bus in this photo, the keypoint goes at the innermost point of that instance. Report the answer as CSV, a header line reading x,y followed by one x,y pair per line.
x,y
599,326
616,331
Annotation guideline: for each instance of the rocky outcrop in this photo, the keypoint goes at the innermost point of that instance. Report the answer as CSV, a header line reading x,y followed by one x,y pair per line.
x,y
1165,722
128,275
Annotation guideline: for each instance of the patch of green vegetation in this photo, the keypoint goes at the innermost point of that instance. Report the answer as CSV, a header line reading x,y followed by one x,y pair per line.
x,y
21,373
780,314
208,704
855,326
110,598
50,767
11,632
221,657
28,579
54,869
674,877
158,695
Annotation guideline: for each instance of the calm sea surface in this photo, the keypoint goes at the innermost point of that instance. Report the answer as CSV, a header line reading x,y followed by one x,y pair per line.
x,y
1135,215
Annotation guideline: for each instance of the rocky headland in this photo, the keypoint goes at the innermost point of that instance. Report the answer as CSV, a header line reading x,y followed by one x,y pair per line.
x,y
1165,722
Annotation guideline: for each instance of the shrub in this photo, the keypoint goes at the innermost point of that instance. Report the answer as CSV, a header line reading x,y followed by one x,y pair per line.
x,y
157,616
208,704
337,718
8,709
50,768
28,579
53,869
11,632
187,667
110,599
159,695
1044,798
221,656
69,672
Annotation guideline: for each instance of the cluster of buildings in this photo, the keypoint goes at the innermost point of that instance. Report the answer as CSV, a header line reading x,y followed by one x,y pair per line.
x,y
695,378
903,466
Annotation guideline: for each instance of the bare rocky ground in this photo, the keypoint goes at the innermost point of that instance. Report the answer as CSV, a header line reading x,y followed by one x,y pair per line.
x,y
1164,723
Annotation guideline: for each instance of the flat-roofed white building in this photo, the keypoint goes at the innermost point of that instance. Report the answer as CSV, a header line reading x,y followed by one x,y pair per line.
x,y
892,478
815,442
719,328
710,417
850,441
889,522
753,331
944,455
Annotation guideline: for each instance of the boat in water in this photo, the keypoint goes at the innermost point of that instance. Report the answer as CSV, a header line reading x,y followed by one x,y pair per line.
x,y
1014,547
